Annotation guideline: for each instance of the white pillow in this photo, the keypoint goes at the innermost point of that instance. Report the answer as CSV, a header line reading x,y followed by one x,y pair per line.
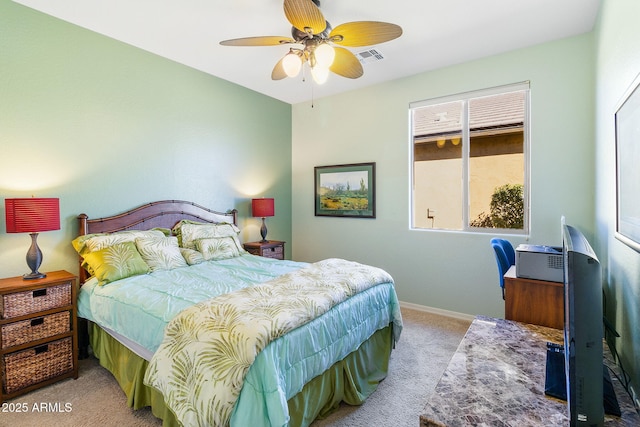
x,y
160,252
216,248
102,241
191,232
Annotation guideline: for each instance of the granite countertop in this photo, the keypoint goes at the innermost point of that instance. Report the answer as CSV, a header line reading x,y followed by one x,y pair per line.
x,y
496,378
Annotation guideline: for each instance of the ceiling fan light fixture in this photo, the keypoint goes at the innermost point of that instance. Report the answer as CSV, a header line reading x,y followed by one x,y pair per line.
x,y
320,74
325,55
291,64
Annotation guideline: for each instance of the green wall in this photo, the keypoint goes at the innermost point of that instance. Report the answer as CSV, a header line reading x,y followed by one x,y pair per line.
x,y
452,271
618,64
105,126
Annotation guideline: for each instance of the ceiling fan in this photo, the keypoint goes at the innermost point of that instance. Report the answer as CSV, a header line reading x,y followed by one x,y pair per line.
x,y
318,45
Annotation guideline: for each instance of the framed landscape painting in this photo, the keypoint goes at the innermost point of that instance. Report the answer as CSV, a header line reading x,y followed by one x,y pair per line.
x,y
627,121
345,190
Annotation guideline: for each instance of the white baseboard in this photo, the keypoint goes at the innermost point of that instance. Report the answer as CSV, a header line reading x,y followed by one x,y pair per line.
x,y
454,314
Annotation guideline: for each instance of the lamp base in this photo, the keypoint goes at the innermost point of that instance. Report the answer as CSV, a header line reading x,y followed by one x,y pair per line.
x,y
34,259
263,232
36,275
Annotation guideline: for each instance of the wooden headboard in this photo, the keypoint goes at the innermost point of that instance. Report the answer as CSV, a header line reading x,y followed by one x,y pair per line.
x,y
165,214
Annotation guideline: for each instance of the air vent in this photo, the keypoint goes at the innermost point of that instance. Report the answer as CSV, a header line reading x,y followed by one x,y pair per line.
x,y
371,55
555,261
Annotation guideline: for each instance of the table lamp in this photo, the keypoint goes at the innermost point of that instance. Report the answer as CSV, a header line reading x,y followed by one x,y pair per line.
x,y
32,215
262,208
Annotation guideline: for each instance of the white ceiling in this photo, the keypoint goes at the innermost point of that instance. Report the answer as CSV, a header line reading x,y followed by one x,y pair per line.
x,y
436,33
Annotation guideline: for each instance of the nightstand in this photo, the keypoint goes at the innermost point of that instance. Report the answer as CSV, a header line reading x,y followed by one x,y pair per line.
x,y
39,340
269,249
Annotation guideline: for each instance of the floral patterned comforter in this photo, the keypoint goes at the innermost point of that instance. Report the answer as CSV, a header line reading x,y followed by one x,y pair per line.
x,y
208,348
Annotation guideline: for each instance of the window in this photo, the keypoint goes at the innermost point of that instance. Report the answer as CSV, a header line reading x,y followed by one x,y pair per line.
x,y
470,161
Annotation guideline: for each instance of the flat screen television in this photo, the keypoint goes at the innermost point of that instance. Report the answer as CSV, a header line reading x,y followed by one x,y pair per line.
x,y
583,330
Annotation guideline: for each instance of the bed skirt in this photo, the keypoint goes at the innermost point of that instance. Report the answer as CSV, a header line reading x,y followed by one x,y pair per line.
x,y
350,380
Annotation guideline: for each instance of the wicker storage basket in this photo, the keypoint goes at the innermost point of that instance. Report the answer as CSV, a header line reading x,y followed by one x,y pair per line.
x,y
34,329
21,303
275,252
24,368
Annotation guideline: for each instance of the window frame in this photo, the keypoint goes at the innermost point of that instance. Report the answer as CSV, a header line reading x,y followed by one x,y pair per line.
x,y
465,97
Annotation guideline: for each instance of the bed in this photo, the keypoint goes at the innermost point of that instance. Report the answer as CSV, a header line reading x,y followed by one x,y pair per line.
x,y
231,339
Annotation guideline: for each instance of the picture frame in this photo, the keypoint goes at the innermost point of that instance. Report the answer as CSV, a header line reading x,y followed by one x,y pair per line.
x,y
346,191
627,136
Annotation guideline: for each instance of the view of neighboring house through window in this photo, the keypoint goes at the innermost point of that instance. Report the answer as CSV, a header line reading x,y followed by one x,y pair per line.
x,y
470,161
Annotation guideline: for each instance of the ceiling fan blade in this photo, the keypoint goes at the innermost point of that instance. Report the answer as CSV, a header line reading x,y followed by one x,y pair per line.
x,y
258,41
346,64
278,71
305,16
364,33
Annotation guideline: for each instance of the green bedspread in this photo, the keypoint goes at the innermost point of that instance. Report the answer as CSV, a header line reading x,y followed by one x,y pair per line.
x,y
208,348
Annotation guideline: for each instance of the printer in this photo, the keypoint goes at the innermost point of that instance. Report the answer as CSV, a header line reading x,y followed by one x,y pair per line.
x,y
540,262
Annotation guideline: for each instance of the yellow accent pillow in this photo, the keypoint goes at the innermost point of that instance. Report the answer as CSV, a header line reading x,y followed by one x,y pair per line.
x,y
116,262
94,242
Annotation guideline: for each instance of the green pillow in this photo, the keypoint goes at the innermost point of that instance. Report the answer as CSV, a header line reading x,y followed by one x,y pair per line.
x,y
116,262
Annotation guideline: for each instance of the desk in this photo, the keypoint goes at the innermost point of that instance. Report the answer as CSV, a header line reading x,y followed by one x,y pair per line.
x,y
496,377
533,301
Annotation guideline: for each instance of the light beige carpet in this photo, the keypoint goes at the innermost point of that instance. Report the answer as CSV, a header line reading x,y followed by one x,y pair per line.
x,y
427,343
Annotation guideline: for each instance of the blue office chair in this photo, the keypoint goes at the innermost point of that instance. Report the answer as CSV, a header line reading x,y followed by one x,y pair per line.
x,y
508,250
502,259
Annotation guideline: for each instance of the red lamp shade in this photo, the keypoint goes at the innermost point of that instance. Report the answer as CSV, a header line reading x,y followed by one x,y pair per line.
x,y
32,215
262,207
